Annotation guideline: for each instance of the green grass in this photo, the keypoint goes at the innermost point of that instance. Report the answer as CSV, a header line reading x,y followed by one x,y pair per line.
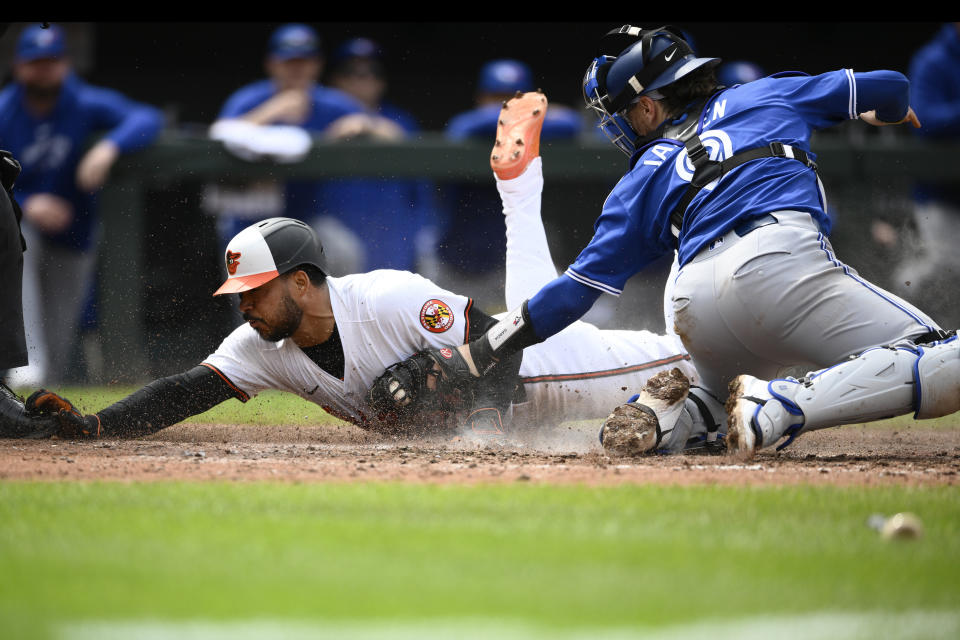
x,y
554,557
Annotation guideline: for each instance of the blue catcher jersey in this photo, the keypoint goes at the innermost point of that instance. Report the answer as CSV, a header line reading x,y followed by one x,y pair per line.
x,y
633,228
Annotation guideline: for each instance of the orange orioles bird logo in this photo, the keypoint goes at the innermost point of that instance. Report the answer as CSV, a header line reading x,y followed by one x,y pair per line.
x,y
233,260
435,316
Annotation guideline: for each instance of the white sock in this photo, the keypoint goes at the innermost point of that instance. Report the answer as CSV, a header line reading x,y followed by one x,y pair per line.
x,y
529,264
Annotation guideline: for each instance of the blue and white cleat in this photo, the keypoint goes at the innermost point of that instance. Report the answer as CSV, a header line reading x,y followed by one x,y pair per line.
x,y
756,418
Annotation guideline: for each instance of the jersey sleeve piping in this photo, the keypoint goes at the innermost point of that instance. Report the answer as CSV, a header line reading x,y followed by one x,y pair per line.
x,y
576,277
852,100
466,321
241,396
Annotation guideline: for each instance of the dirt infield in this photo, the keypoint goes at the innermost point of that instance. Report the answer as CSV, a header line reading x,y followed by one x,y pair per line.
x,y
855,455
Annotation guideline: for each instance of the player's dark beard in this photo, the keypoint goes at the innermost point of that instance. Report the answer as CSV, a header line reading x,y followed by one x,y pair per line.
x,y
290,317
44,94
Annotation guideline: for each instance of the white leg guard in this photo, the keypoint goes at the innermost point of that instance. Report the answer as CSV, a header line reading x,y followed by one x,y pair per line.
x,y
700,426
879,383
708,422
937,377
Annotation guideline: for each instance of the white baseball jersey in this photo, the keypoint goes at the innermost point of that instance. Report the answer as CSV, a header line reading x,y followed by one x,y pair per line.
x,y
385,316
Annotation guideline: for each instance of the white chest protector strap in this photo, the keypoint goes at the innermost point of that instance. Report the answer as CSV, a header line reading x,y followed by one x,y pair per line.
x,y
879,383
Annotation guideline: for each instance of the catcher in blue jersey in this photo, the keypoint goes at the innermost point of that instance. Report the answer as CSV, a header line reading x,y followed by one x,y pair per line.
x,y
725,176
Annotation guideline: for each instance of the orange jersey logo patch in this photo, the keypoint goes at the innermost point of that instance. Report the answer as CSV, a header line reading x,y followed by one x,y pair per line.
x,y
436,316
233,260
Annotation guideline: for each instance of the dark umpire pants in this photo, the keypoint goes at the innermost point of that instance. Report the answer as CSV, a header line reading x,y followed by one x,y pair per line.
x,y
13,345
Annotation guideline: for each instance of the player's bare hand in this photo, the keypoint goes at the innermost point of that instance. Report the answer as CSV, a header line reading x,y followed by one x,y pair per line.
x,y
870,117
95,166
47,212
291,106
361,124
884,234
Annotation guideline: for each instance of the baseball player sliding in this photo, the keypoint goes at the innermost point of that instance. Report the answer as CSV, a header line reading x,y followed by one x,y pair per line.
x,y
726,177
329,340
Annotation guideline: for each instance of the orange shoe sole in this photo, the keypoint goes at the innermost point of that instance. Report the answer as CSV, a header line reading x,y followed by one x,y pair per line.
x,y
518,134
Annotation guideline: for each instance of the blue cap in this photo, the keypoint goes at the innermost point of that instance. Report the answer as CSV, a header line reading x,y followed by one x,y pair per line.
x,y
358,48
738,72
505,76
294,41
37,42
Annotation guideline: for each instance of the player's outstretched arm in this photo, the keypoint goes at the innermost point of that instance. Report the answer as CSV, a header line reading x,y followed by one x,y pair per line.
x,y
158,405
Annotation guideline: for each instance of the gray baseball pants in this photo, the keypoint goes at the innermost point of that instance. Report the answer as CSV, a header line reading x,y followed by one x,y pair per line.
x,y
776,301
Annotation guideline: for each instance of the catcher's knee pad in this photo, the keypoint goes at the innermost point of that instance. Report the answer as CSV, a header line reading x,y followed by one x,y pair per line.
x,y
937,375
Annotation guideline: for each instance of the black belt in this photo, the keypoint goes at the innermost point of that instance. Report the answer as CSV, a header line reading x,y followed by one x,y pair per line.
x,y
752,224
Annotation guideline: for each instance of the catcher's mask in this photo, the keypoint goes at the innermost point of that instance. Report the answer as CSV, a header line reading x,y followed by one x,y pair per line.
x,y
654,59
268,249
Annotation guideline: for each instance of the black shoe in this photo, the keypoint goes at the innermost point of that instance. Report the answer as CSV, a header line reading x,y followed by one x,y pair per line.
x,y
14,421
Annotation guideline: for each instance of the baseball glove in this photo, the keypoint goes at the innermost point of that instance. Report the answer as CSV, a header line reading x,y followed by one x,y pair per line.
x,y
425,392
73,425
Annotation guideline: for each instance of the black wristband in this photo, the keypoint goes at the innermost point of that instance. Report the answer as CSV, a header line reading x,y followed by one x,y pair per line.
x,y
511,335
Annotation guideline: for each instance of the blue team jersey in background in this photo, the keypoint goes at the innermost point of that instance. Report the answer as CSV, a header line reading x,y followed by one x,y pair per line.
x,y
303,198
386,214
633,228
560,123
327,104
935,96
474,240
50,148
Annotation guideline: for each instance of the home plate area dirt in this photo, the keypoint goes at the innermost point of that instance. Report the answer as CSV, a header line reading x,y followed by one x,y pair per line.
x,y
854,455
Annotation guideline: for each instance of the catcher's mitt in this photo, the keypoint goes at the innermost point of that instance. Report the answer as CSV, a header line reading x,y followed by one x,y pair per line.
x,y
426,391
73,425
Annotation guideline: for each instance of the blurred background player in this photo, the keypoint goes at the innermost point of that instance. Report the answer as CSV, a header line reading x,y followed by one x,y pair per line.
x,y
738,72
473,239
393,220
292,95
928,277
47,118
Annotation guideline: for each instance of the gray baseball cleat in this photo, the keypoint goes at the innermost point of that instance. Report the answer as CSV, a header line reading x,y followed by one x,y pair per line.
x,y
639,426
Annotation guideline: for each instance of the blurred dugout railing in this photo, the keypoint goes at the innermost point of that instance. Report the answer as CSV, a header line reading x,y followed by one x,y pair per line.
x,y
160,259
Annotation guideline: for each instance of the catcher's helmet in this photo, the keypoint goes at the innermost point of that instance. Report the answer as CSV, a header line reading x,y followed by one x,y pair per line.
x,y
655,59
268,249
505,76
